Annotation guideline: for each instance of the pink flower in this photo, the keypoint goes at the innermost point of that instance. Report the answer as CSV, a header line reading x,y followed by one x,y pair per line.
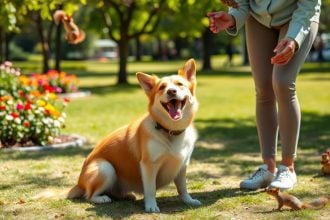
x,y
58,89
8,64
19,107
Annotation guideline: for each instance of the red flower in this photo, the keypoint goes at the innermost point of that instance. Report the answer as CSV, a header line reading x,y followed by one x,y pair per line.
x,y
26,124
3,107
14,114
27,106
21,93
67,100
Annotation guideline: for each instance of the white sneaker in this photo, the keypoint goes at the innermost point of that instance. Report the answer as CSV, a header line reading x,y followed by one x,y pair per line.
x,y
285,179
260,179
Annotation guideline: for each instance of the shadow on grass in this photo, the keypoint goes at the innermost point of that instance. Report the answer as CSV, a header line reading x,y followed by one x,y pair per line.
x,y
240,136
235,136
39,155
167,204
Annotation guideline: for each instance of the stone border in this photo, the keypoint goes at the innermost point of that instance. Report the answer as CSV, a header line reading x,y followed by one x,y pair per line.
x,y
78,142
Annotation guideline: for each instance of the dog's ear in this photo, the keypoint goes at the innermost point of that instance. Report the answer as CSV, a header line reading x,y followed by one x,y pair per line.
x,y
147,82
189,71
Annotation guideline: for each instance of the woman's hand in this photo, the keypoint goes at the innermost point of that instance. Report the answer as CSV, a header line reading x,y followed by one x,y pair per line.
x,y
284,50
220,21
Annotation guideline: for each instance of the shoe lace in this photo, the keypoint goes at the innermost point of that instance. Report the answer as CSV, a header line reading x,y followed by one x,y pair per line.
x,y
257,174
282,175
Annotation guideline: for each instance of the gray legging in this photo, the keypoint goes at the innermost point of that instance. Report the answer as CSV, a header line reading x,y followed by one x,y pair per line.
x,y
276,84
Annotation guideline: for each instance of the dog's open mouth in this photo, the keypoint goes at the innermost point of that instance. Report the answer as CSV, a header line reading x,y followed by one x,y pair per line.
x,y
174,108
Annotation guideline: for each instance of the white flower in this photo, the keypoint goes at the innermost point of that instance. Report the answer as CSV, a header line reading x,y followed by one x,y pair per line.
x,y
45,121
31,117
17,121
9,117
57,123
61,120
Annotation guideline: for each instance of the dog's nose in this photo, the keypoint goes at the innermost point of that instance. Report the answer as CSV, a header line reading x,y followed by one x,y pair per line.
x,y
171,92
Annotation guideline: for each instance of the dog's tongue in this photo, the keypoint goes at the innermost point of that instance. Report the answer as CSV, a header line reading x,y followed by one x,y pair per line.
x,y
174,109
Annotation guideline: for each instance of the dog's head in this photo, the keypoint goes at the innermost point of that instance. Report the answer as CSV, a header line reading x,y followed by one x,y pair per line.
x,y
172,101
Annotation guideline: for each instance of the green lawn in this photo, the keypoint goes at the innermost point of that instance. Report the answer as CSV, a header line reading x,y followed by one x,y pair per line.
x,y
226,152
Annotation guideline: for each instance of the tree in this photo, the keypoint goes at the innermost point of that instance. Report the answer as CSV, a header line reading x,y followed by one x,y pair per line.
x,y
189,21
8,10
129,19
40,11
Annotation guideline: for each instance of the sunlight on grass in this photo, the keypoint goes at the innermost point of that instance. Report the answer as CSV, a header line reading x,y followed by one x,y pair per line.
x,y
226,152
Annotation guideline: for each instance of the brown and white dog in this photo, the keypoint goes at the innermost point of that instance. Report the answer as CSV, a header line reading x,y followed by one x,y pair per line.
x,y
151,151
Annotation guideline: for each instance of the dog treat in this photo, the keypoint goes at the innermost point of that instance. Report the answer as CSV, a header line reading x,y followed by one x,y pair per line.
x,y
325,162
230,3
73,34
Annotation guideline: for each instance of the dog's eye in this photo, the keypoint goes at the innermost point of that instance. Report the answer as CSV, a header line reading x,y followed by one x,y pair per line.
x,y
179,84
162,87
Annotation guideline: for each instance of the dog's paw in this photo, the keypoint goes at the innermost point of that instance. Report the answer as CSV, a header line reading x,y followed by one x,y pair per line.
x,y
192,202
100,199
151,206
152,209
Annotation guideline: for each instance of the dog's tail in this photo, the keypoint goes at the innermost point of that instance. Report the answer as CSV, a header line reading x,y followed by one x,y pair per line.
x,y
75,193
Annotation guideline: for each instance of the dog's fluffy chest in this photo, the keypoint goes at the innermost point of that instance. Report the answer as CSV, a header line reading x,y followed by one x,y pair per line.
x,y
162,145
169,153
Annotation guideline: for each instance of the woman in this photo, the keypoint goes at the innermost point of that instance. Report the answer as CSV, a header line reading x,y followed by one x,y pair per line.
x,y
279,36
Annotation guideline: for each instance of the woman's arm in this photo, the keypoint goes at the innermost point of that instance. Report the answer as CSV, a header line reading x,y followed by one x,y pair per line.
x,y
299,26
240,15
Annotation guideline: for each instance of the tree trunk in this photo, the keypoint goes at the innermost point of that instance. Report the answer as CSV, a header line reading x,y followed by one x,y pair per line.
x,y
159,50
207,49
58,42
123,53
44,45
178,46
8,37
138,49
58,47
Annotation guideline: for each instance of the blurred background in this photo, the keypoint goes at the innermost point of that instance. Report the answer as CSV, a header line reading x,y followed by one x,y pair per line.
x,y
122,31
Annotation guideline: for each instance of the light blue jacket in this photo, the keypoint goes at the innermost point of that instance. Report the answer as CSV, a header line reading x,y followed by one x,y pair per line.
x,y
274,13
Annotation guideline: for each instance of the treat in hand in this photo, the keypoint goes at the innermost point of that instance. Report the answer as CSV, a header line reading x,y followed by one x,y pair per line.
x,y
230,3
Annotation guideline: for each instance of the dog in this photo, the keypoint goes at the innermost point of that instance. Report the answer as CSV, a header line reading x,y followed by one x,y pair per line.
x,y
150,152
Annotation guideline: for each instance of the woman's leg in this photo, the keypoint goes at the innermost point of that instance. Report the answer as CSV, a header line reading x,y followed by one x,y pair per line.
x,y
284,84
261,42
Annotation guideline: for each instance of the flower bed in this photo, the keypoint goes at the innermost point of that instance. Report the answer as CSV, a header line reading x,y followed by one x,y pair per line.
x,y
30,110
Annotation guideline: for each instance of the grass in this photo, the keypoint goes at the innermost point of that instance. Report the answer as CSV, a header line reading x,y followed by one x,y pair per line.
x,y
226,152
